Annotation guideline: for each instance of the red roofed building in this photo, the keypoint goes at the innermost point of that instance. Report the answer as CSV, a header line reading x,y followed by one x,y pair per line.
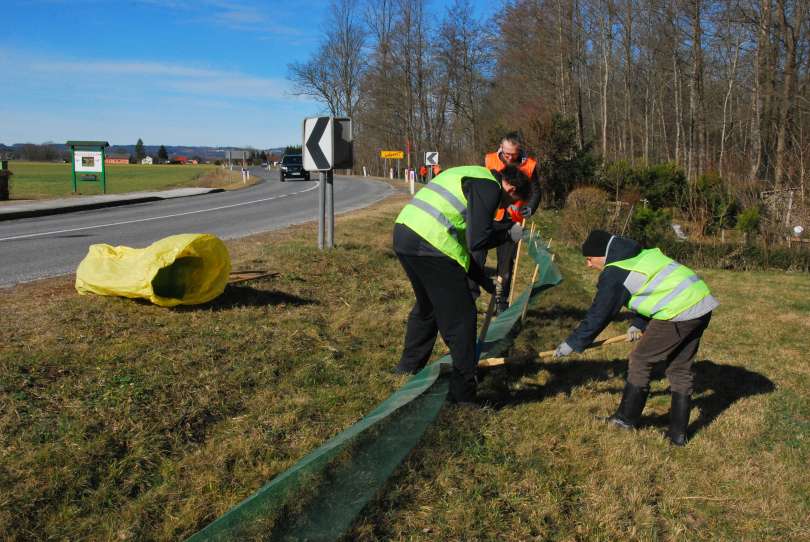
x,y
116,159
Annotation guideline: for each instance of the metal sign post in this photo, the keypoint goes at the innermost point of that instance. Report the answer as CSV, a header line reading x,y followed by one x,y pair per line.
x,y
330,209
321,206
327,145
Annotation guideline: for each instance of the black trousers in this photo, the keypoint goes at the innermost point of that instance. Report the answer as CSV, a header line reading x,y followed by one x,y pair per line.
x,y
675,343
506,262
443,305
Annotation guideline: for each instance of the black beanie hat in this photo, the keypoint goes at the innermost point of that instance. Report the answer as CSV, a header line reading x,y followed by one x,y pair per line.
x,y
596,243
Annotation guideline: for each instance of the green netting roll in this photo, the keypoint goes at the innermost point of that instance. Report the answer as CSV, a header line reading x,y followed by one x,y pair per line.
x,y
319,497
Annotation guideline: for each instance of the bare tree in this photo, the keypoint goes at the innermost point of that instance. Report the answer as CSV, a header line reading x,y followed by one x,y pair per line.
x,y
332,75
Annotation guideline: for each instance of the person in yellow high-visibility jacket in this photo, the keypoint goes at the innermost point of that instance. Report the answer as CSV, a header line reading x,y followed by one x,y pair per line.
x,y
434,235
672,307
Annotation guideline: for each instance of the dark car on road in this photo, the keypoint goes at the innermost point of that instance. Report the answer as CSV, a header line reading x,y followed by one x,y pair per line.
x,y
292,165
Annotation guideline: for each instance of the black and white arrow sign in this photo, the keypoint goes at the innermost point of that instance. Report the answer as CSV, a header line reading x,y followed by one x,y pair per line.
x,y
318,144
431,158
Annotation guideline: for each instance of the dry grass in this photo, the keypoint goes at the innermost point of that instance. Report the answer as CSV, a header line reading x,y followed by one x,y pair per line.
x,y
40,180
224,178
122,420
539,464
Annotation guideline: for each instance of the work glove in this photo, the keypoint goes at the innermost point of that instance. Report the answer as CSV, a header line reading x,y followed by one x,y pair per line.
x,y
633,333
516,232
524,211
562,350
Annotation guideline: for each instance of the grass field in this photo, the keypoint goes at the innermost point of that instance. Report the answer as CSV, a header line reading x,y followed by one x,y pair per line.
x,y
122,420
40,180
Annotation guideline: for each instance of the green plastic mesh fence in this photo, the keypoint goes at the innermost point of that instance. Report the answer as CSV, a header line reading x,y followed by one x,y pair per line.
x,y
319,497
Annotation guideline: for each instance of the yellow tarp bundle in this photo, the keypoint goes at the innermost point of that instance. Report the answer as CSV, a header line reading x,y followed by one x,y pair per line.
x,y
185,269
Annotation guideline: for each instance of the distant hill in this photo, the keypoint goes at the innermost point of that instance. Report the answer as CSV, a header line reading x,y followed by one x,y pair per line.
x,y
55,151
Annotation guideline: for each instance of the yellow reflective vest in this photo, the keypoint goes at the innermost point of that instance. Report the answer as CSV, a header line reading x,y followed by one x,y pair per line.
x,y
438,212
670,288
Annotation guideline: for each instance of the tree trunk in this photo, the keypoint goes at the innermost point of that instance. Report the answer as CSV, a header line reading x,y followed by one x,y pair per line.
x,y
759,97
790,33
731,77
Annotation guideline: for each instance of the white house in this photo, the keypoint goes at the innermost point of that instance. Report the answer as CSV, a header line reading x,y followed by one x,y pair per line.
x,y
147,161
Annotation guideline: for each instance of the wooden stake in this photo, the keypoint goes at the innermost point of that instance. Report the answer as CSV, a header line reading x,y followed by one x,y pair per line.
x,y
495,362
242,276
482,337
514,270
531,284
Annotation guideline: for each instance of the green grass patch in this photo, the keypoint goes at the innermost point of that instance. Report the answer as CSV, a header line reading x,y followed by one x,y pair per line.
x,y
123,420
39,180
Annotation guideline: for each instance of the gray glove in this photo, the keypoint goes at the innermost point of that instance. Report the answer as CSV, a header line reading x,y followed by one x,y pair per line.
x,y
633,333
563,350
516,232
524,211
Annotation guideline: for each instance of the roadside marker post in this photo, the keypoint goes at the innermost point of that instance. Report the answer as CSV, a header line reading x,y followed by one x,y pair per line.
x,y
4,175
327,145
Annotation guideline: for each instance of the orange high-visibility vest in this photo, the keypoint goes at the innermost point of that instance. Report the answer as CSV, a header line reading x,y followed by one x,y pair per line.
x,y
493,161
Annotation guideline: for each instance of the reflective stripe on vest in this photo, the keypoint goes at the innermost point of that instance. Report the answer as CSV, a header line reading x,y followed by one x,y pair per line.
x,y
438,212
493,161
670,288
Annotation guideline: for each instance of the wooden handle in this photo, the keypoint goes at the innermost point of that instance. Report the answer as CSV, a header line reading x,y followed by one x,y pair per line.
x,y
495,362
488,318
242,276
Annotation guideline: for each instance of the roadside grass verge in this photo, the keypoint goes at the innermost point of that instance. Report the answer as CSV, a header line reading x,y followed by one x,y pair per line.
x,y
124,420
41,180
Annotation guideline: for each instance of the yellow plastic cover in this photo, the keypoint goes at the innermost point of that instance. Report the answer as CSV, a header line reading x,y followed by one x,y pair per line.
x,y
185,269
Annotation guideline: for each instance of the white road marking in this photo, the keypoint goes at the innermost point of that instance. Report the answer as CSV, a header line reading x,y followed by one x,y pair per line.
x,y
55,232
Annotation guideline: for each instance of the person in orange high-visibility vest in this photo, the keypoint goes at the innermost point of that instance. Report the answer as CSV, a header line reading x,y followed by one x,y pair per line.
x,y
436,169
511,153
423,173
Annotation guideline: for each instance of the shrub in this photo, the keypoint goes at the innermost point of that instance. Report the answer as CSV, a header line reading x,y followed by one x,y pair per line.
x,y
585,210
662,185
748,221
618,177
713,206
740,257
562,164
650,226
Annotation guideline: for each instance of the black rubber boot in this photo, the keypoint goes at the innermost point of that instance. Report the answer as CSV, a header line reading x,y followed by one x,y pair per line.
x,y
629,411
462,387
679,418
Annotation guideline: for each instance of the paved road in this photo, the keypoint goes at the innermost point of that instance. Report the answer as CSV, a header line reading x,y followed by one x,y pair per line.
x,y
34,248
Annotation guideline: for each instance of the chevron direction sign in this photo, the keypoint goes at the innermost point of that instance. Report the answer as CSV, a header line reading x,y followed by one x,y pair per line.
x,y
431,158
327,143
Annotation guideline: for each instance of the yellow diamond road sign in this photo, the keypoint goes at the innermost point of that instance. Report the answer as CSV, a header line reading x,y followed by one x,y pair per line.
x,y
398,155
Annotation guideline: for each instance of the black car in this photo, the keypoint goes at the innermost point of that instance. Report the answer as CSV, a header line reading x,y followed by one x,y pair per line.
x,y
292,165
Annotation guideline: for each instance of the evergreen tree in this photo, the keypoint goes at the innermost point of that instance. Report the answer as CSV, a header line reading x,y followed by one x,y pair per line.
x,y
293,149
140,152
163,155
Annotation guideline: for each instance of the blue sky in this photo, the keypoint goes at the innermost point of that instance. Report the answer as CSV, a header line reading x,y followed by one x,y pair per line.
x,y
173,72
